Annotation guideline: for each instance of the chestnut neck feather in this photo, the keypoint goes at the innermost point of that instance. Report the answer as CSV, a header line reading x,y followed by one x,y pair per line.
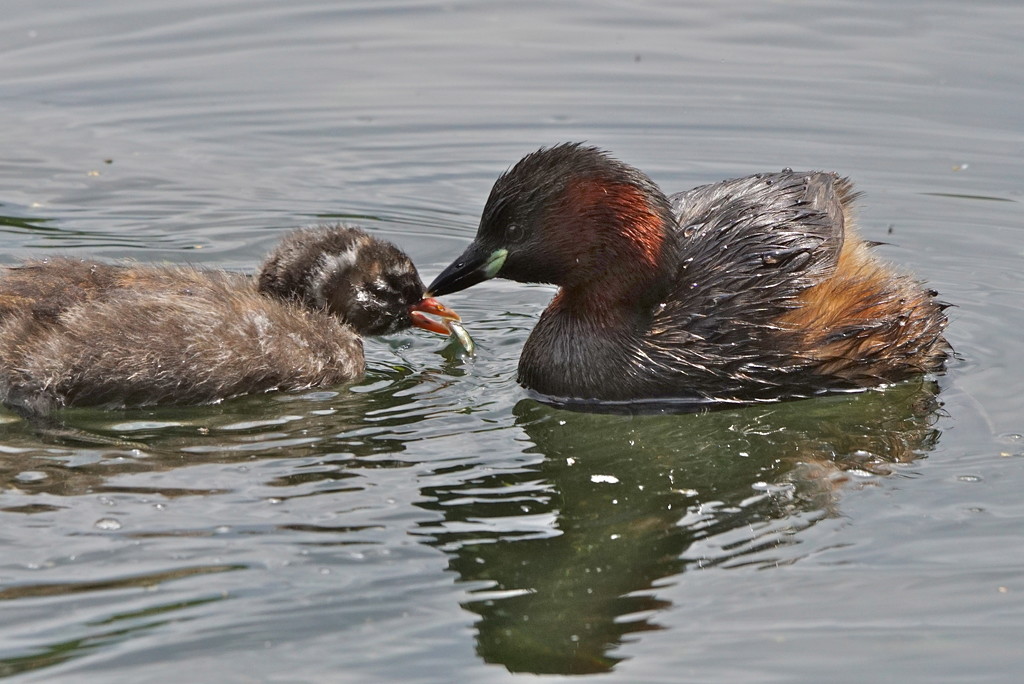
x,y
621,245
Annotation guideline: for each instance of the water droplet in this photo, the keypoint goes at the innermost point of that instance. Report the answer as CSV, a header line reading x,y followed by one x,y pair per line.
x,y
970,478
107,524
770,488
858,472
604,479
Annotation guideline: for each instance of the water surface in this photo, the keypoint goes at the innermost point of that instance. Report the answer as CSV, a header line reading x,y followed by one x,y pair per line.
x,y
434,523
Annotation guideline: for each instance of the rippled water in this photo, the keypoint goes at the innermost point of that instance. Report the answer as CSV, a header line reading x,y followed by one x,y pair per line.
x,y
433,523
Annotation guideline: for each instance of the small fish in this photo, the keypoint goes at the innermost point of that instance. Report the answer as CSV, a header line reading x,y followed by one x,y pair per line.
x,y
462,335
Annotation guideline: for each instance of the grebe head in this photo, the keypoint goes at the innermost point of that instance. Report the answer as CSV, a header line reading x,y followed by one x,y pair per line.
x,y
370,284
568,215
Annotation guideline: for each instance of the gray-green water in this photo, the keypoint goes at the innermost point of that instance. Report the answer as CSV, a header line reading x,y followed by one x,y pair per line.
x,y
434,523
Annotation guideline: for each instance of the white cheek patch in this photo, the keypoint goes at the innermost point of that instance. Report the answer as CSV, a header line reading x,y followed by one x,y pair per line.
x,y
329,266
403,269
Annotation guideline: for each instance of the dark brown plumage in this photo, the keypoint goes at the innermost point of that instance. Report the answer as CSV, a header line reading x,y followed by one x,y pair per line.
x,y
750,289
78,332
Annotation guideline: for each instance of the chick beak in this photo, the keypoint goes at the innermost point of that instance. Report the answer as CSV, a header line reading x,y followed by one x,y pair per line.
x,y
419,311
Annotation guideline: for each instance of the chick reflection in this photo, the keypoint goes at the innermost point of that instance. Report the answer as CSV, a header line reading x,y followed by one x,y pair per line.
x,y
87,451
627,501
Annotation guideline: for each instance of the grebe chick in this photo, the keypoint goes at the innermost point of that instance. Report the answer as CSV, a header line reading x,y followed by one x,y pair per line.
x,y
86,333
752,289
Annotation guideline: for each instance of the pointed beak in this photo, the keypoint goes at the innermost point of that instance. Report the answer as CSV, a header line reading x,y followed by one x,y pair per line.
x,y
474,266
421,313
